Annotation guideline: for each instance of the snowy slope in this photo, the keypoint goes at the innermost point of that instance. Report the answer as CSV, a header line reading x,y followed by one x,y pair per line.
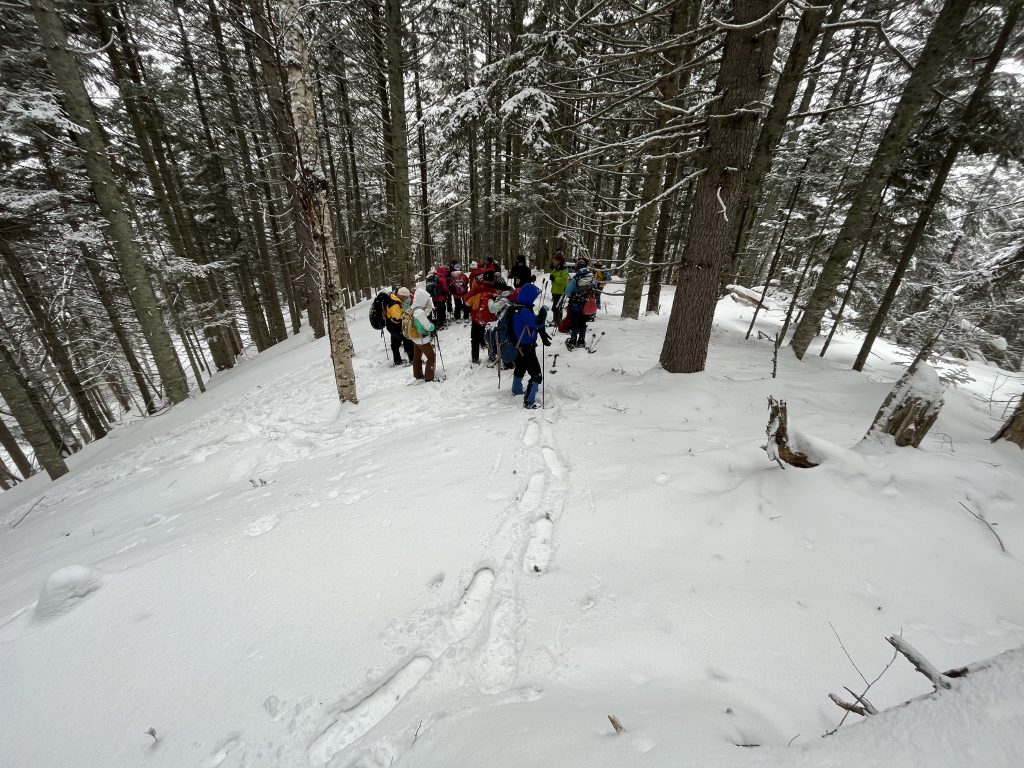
x,y
438,578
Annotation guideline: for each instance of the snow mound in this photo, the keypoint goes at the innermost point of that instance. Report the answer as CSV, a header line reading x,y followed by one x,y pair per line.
x,y
65,588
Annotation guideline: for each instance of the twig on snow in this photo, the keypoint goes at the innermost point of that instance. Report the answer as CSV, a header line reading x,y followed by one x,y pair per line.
x,y
616,724
36,504
987,523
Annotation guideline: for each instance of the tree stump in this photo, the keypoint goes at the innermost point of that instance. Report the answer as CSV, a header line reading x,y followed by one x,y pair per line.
x,y
912,406
779,448
1013,429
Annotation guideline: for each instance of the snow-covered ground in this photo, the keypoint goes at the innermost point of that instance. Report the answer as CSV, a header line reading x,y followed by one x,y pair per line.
x,y
438,578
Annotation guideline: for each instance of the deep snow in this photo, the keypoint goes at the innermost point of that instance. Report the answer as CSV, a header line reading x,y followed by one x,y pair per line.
x,y
438,578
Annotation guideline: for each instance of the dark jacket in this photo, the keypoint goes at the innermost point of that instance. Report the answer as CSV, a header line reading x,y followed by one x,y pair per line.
x,y
520,274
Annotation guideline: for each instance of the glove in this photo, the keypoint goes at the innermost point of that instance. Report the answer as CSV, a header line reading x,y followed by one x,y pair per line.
x,y
544,337
433,334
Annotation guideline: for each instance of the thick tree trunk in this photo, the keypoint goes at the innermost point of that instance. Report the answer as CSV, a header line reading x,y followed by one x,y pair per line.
x,y
731,133
399,139
866,198
108,197
15,393
313,195
960,131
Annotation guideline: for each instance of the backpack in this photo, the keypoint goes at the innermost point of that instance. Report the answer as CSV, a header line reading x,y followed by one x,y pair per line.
x,y
393,314
433,286
457,282
584,290
505,336
378,310
409,329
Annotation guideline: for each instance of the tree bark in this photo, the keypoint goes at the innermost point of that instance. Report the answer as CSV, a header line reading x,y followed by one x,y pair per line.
x,y
668,84
10,444
731,133
399,139
267,280
313,195
1013,429
108,197
866,198
807,32
55,348
14,390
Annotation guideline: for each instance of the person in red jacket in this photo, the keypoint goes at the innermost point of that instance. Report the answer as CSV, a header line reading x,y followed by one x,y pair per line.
x,y
480,313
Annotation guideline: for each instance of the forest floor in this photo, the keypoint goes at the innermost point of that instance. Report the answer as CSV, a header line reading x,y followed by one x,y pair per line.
x,y
438,578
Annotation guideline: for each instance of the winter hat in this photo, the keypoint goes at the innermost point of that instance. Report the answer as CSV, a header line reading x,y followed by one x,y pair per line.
x,y
582,262
472,265
404,293
521,259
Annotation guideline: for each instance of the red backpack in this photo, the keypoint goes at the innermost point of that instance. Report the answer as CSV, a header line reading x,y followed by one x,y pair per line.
x,y
458,283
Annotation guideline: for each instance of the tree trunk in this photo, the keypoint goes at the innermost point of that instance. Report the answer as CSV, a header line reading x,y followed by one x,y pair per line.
x,y
668,84
807,32
426,255
731,133
10,444
108,197
14,390
399,138
1013,429
267,280
313,195
960,131
55,348
262,38
866,198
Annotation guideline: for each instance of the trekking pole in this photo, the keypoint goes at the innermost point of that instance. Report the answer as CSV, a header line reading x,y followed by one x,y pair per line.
x,y
543,356
439,355
382,341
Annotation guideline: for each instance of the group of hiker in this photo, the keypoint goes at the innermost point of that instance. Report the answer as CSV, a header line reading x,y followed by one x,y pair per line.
x,y
502,317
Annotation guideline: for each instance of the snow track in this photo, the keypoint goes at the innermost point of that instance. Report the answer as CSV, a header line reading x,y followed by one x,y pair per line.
x,y
481,638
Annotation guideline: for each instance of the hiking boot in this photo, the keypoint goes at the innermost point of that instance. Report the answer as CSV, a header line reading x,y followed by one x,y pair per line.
x,y
531,406
569,345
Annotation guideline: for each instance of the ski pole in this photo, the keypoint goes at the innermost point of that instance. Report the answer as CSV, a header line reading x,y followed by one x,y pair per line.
x,y
382,341
439,355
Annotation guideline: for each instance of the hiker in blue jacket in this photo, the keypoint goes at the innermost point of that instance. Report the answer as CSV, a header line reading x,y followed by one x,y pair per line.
x,y
526,326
